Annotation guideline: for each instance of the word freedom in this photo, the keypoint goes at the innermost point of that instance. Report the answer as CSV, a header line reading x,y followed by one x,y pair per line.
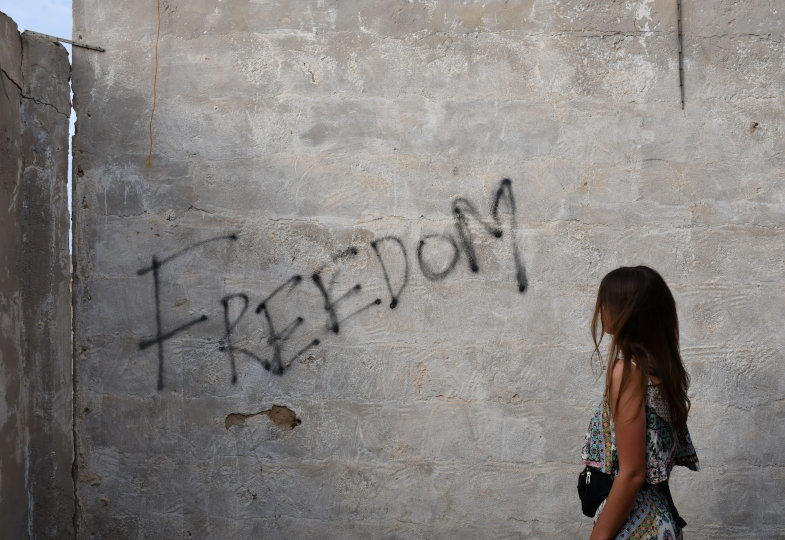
x,y
280,334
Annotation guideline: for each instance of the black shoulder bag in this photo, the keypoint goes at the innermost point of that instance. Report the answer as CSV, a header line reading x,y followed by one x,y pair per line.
x,y
593,488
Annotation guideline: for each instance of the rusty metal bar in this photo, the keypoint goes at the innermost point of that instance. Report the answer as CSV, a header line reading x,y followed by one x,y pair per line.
x,y
74,43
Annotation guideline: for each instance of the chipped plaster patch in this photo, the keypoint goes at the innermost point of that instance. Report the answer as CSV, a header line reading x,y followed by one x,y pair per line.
x,y
283,417
642,12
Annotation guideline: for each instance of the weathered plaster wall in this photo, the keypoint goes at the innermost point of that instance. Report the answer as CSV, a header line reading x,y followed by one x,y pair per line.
x,y
36,442
287,133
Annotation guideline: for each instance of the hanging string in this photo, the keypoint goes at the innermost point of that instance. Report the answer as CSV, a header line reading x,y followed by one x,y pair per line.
x,y
155,84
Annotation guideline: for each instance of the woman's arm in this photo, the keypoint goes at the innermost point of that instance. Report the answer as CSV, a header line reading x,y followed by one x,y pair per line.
x,y
630,428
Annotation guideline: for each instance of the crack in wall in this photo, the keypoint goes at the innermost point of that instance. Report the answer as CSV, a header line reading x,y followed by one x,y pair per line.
x,y
39,102
4,75
31,98
283,417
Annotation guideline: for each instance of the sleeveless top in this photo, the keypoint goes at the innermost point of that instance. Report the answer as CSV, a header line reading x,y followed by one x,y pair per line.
x,y
665,448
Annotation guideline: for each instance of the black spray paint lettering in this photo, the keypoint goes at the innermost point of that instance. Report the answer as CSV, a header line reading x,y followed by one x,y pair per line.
x,y
229,326
462,209
429,273
394,295
505,187
160,335
330,302
277,340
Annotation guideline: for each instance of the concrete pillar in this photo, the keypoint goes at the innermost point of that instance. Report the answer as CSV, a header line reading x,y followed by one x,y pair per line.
x,y
36,442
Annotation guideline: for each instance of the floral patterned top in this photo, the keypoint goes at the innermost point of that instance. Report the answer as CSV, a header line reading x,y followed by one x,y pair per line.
x,y
665,448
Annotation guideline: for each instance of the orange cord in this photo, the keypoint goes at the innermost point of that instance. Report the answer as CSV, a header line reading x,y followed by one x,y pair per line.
x,y
155,84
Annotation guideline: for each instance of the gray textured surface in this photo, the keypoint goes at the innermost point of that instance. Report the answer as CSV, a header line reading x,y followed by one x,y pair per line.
x,y
308,127
36,442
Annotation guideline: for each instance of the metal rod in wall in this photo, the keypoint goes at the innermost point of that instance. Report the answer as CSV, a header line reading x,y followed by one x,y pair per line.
x,y
74,43
681,53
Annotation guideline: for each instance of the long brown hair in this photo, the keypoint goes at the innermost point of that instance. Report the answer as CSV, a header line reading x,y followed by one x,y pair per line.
x,y
636,308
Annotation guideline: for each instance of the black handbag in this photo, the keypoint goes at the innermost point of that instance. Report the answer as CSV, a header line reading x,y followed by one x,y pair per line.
x,y
593,488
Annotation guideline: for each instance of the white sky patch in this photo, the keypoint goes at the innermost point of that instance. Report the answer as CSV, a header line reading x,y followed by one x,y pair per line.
x,y
51,17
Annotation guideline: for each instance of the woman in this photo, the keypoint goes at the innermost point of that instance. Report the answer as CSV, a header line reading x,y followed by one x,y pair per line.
x,y
639,431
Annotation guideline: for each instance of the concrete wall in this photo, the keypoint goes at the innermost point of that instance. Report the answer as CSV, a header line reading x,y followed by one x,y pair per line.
x,y
36,441
304,148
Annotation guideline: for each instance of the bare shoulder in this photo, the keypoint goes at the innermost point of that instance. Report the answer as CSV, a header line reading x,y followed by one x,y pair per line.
x,y
617,372
632,393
